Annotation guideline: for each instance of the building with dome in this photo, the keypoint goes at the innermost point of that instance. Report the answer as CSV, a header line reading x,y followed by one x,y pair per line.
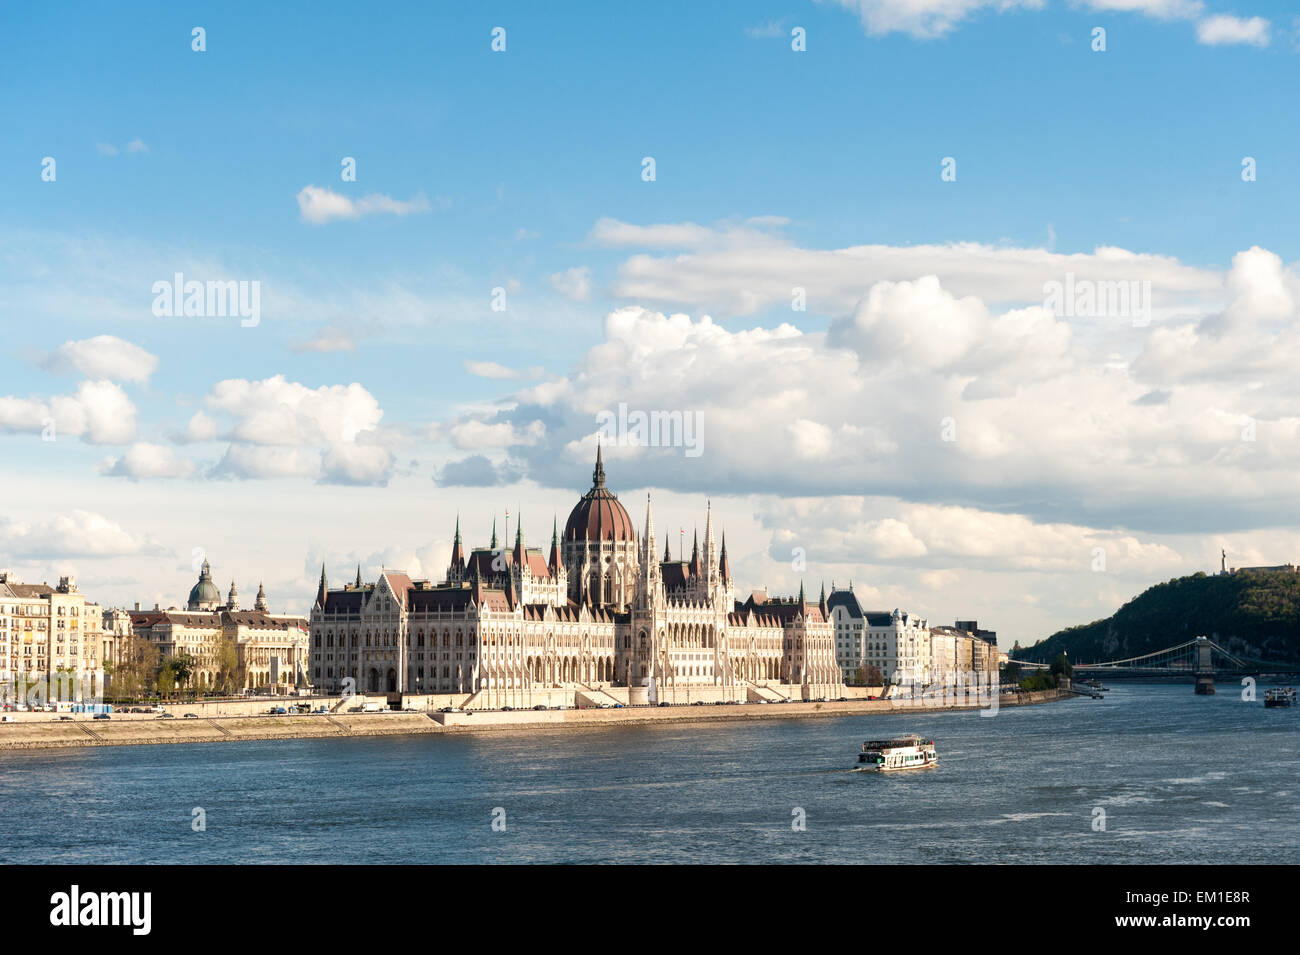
x,y
271,650
598,617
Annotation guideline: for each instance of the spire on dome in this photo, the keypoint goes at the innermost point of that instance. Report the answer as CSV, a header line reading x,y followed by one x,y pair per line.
x,y
598,475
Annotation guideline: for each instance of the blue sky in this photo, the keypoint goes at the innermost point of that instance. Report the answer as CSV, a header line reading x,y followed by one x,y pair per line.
x,y
513,160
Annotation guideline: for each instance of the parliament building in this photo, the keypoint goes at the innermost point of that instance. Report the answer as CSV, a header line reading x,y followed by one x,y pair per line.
x,y
600,617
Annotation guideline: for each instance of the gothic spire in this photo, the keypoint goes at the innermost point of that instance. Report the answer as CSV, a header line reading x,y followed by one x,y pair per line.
x,y
494,532
598,475
323,589
556,560
724,568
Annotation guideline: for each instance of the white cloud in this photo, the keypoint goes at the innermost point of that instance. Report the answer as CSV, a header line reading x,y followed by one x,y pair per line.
x,y
330,338
1159,9
925,19
573,283
143,460
106,357
1224,30
99,413
741,270
319,205
137,146
492,369
76,534
474,435
280,428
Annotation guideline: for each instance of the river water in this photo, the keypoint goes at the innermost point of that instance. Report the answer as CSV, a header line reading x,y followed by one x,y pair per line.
x,y
1179,778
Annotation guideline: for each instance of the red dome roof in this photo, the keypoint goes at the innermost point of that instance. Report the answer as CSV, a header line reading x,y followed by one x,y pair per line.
x,y
599,516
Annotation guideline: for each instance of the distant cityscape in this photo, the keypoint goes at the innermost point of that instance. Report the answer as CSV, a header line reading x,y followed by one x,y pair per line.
x,y
508,625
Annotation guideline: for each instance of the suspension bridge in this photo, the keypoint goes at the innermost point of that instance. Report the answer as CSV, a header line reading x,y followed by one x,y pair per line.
x,y
1200,658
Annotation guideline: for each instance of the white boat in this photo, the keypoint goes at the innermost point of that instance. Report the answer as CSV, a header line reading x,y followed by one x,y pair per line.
x,y
905,752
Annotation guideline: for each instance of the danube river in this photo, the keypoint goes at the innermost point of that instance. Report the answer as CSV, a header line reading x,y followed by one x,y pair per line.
x,y
1179,778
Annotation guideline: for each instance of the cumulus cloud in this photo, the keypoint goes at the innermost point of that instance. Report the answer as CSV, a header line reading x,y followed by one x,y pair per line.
x,y
319,205
934,396
143,460
478,470
281,428
98,413
104,356
75,534
478,435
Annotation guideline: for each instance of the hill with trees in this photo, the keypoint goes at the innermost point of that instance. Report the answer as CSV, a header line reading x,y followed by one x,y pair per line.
x,y
1250,613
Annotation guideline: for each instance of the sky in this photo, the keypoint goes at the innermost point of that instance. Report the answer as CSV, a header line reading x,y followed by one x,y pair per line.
x,y
834,237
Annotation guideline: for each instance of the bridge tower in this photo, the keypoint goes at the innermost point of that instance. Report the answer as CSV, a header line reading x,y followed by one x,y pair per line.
x,y
1204,667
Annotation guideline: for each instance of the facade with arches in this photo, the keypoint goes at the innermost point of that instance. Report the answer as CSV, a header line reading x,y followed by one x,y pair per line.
x,y
599,609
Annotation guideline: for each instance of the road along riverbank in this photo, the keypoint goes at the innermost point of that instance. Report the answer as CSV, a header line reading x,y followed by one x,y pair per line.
x,y
65,734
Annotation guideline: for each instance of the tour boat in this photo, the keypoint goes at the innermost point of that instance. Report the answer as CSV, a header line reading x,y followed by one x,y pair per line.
x,y
887,755
1280,696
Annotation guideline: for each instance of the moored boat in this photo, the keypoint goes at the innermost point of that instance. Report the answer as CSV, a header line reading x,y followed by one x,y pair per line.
x,y
1280,696
905,752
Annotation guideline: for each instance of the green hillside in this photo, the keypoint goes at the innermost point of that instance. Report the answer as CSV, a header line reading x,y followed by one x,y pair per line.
x,y
1249,613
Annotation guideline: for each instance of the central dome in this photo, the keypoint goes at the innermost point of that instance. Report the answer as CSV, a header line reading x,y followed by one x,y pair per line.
x,y
599,516
204,595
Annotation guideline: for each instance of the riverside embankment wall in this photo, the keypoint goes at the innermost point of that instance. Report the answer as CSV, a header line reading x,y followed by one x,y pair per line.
x,y
50,733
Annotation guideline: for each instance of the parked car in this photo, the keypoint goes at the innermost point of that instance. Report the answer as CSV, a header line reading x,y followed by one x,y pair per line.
x,y
274,711
540,706
69,718
103,716
165,716
6,719
191,716
321,709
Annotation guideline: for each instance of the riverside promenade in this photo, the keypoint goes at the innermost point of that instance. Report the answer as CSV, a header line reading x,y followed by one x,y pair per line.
x,y
137,729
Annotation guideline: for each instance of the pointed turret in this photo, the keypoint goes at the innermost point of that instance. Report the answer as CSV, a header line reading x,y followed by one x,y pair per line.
x,y
695,555
260,602
724,568
668,554
556,561
802,601
519,543
232,599
494,534
457,552
323,589
358,576
598,475
822,603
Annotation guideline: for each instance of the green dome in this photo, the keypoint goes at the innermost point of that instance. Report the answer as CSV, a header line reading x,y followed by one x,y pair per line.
x,y
205,591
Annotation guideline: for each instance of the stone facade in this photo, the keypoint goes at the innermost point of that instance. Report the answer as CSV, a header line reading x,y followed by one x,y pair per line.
x,y
47,633
271,650
599,608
